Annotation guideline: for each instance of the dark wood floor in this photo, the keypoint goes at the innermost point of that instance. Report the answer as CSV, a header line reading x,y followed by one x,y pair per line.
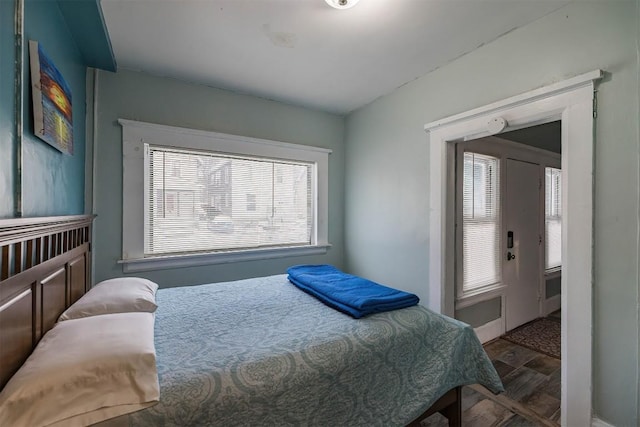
x,y
532,391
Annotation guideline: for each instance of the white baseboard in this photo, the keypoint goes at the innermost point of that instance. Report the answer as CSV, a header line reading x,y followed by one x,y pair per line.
x,y
597,422
552,304
490,330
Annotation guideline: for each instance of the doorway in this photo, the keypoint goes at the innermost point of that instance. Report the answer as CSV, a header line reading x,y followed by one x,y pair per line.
x,y
504,215
570,101
502,251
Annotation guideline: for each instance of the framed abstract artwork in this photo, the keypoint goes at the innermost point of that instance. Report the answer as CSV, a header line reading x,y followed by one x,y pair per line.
x,y
52,107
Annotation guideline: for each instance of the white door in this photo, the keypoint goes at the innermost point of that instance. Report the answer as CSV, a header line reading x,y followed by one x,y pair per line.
x,y
521,265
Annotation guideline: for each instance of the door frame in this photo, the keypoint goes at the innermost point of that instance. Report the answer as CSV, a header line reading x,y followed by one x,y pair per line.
x,y
572,102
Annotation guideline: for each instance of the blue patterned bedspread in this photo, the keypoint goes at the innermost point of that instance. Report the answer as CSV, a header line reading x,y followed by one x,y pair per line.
x,y
262,352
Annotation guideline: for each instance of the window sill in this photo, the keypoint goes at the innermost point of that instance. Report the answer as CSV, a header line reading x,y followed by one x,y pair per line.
x,y
192,260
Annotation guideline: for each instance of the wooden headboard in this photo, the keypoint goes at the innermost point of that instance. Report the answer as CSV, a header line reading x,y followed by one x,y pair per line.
x,y
45,267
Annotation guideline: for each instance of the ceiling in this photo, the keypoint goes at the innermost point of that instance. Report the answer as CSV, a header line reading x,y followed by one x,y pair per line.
x,y
304,52
546,137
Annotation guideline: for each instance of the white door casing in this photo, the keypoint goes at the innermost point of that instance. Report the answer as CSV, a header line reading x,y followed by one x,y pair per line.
x,y
521,265
572,102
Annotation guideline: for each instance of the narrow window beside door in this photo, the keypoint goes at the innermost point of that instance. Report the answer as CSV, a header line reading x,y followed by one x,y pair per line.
x,y
481,222
553,218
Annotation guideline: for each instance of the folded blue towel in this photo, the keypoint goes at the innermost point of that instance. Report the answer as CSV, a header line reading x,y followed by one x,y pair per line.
x,y
350,294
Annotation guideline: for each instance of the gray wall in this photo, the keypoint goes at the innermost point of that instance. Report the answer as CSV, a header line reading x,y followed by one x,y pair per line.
x,y
387,178
142,97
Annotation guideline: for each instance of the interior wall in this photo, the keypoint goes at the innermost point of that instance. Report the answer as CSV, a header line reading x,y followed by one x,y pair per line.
x,y
638,132
552,287
387,179
7,115
53,182
481,313
142,97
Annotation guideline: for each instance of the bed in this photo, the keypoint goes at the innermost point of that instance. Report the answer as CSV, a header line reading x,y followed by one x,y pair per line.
x,y
252,352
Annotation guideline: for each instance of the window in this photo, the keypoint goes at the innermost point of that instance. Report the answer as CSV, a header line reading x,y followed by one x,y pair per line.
x,y
265,213
194,197
480,222
553,218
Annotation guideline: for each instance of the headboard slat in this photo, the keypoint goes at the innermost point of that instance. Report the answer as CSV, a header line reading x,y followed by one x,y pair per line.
x,y
17,257
38,258
29,254
46,251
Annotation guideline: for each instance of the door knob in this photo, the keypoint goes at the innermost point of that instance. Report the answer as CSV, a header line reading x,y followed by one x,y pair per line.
x,y
510,256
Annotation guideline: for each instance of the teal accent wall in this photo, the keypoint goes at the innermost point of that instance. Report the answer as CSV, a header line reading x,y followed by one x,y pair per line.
x,y
85,21
53,182
387,178
7,116
138,96
73,34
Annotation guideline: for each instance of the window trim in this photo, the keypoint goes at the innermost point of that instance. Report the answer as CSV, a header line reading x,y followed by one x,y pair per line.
x,y
135,134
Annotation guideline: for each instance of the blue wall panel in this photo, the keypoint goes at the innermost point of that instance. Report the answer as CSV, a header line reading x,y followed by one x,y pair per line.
x,y
53,182
7,149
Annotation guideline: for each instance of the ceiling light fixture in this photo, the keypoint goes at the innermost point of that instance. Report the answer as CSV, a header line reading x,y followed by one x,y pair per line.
x,y
342,4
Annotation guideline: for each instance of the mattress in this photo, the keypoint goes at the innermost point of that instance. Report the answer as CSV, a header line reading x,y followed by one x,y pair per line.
x,y
262,352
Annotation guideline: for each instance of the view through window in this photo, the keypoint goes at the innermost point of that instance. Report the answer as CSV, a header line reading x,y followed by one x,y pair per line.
x,y
197,201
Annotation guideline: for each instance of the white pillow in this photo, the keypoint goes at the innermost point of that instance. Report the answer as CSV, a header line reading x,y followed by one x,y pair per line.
x,y
84,371
121,295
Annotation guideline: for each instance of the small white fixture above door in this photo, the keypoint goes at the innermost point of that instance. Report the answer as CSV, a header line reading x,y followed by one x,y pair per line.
x,y
496,125
342,4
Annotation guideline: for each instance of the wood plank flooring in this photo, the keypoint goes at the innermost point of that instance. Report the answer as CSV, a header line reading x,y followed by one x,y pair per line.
x,y
531,397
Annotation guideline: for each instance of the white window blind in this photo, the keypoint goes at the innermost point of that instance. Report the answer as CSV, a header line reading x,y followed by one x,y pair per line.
x,y
481,221
553,218
198,201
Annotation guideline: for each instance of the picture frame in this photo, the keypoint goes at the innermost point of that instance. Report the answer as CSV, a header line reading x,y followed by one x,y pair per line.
x,y
52,101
